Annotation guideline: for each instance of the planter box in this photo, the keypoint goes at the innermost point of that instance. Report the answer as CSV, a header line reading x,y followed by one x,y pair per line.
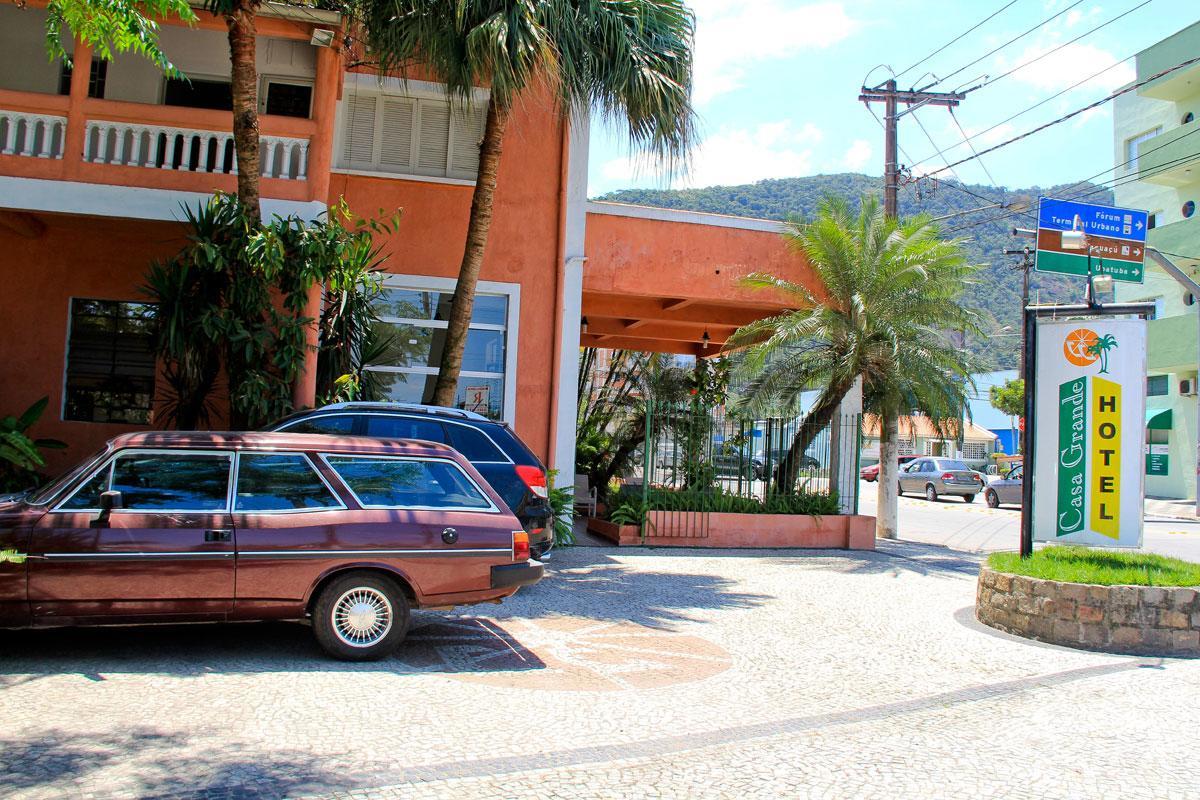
x,y
690,529
1140,620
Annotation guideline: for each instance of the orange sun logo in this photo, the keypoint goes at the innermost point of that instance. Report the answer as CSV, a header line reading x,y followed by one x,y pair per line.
x,y
1079,347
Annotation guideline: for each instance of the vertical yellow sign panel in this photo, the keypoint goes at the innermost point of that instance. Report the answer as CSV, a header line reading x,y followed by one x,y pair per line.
x,y
1106,458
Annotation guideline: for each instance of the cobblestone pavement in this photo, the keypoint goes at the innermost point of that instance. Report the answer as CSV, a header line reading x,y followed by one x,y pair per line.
x,y
640,673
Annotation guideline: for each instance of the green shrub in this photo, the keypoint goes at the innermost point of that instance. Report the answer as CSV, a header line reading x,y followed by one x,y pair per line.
x,y
629,507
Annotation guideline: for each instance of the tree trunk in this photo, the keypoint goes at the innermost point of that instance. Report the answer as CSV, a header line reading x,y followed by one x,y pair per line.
x,y
244,88
889,471
820,415
468,273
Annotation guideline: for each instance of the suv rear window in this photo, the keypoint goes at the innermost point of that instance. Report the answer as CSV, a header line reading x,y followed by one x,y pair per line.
x,y
475,444
393,427
955,465
333,424
382,482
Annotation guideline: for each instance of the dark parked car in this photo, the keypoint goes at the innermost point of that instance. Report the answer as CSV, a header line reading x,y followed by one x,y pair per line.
x,y
191,527
492,448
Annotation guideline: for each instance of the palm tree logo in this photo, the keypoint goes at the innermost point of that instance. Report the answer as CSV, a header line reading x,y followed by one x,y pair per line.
x,y
1100,348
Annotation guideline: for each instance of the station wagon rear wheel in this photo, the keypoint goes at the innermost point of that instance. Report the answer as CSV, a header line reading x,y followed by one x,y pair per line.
x,y
360,617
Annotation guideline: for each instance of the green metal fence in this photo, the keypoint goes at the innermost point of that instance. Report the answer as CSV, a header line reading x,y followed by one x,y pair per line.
x,y
698,461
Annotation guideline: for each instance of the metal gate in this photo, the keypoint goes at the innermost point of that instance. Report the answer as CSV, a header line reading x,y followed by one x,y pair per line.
x,y
698,461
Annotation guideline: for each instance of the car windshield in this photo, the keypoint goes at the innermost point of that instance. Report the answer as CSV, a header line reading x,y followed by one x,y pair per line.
x,y
952,465
49,490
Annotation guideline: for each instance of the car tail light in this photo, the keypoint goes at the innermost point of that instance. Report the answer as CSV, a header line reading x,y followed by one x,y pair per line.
x,y
520,546
947,476
535,479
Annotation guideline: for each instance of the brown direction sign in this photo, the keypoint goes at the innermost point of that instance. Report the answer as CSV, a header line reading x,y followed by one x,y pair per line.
x,y
1102,247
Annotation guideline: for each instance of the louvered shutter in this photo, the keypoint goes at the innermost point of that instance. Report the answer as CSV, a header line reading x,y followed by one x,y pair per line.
x,y
395,145
435,133
358,145
464,142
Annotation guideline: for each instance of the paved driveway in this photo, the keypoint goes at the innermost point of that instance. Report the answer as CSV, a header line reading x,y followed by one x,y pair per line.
x,y
975,528
634,673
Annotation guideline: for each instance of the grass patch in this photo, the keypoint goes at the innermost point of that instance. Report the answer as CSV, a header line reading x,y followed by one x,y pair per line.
x,y
1103,567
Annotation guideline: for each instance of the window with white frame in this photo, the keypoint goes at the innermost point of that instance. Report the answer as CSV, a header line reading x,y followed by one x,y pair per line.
x,y
975,451
1133,146
410,134
414,314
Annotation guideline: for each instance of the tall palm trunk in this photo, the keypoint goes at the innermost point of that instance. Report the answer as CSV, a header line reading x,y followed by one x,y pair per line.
x,y
815,421
468,273
240,20
886,525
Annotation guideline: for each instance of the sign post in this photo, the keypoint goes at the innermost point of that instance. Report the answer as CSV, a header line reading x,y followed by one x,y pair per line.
x,y
1117,236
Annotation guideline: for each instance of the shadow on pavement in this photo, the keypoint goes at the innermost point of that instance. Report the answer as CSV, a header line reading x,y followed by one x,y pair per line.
x,y
169,766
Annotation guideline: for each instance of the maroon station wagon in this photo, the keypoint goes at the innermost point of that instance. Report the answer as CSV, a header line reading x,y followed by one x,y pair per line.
x,y
186,527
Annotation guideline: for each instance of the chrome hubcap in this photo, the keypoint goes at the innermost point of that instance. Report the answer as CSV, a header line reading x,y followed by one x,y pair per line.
x,y
362,617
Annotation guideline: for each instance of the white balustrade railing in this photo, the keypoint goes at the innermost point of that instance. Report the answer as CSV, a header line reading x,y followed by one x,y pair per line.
x,y
134,144
32,135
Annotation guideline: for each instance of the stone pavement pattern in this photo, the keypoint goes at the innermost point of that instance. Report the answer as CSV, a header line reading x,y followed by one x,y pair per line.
x,y
639,673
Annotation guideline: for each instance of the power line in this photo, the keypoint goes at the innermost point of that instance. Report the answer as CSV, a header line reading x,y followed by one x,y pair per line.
x,y
1071,115
1038,104
969,30
1034,60
992,52
967,141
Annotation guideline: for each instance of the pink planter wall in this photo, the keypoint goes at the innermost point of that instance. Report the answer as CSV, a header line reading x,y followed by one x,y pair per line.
x,y
674,529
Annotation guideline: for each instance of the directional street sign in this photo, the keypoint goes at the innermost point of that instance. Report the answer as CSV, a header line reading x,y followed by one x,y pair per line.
x,y
1116,237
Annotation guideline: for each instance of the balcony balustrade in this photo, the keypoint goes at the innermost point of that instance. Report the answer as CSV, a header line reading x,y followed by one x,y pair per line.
x,y
134,144
32,135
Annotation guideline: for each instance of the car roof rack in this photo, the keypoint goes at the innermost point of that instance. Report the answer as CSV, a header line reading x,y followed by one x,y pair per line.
x,y
385,405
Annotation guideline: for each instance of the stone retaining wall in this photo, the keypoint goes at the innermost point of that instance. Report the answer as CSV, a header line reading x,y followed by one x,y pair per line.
x,y
1141,620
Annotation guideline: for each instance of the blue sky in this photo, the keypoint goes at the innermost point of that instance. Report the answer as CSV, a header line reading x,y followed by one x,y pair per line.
x,y
776,88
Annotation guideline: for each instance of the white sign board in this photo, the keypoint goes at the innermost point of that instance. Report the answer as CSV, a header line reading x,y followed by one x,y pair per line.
x,y
1090,432
478,399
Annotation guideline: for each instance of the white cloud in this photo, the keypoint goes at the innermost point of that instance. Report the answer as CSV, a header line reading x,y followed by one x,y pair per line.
x,y
734,156
732,36
1067,66
858,155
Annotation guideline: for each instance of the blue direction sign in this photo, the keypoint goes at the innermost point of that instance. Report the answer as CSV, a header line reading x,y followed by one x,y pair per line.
x,y
1116,239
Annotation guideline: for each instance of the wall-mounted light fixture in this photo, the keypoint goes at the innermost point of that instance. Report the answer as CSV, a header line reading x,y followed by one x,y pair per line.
x,y
322,37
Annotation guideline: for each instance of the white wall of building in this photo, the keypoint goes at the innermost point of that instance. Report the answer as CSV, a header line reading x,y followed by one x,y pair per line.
x,y
24,64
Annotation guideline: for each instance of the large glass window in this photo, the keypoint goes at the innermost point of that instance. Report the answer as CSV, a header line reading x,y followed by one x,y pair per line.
x,y
280,482
1133,147
180,481
331,424
413,330
382,426
381,482
110,362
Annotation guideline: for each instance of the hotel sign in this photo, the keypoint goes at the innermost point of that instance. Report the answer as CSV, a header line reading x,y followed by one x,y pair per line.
x,y
1090,404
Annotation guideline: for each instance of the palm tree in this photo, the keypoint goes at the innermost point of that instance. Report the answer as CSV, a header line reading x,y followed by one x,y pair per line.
x,y
240,18
1100,348
887,297
630,60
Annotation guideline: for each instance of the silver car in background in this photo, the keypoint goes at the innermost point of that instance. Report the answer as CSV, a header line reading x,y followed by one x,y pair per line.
x,y
1006,488
934,477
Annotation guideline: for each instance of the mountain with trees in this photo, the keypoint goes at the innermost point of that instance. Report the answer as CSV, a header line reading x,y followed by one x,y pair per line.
x,y
995,290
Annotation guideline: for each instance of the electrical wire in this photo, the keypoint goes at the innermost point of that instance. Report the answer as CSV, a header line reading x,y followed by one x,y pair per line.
x,y
1071,115
992,52
967,141
1036,59
969,30
1038,104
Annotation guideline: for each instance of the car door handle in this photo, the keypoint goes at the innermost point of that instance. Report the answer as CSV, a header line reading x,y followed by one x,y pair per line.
x,y
218,535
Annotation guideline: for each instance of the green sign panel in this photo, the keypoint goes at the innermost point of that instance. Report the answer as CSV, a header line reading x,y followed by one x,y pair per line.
x,y
1072,444
1112,237
1157,460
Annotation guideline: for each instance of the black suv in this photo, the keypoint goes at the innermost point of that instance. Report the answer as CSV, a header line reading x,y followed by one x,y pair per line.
x,y
492,448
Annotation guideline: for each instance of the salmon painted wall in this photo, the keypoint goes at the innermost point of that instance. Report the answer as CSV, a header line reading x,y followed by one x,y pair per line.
x,y
75,256
522,248
658,258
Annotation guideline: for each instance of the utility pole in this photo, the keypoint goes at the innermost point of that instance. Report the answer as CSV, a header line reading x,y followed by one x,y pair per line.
x,y
891,97
1026,265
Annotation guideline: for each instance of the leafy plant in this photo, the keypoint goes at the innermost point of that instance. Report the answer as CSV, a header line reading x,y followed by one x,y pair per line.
x,y
562,501
1010,398
628,513
235,299
20,454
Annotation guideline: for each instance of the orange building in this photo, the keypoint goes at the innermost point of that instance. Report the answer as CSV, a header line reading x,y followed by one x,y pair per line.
x,y
97,162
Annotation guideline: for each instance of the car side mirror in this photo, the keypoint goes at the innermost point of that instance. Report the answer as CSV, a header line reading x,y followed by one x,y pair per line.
x,y
108,501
